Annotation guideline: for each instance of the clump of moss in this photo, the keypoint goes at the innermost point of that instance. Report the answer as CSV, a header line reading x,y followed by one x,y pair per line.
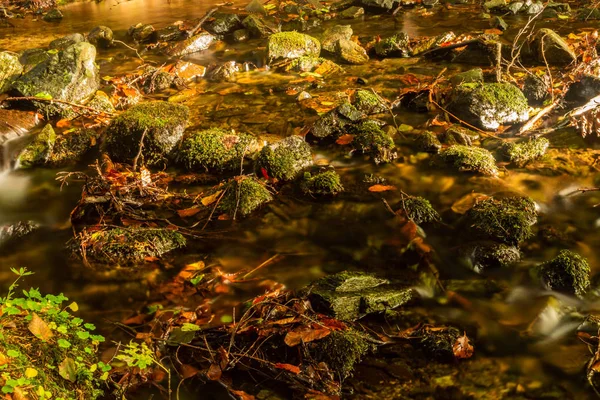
x,y
285,159
481,256
393,46
418,210
71,147
126,246
216,149
457,134
371,140
292,45
438,342
327,183
46,352
521,153
160,123
101,102
368,102
470,159
243,195
568,273
342,350
428,142
508,220
39,150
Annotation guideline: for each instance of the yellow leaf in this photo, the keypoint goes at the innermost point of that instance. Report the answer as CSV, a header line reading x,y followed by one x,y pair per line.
x,y
327,103
39,328
208,200
188,212
73,306
467,202
30,373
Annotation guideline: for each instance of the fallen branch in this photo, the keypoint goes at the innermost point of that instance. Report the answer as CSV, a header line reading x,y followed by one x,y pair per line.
x,y
536,118
198,27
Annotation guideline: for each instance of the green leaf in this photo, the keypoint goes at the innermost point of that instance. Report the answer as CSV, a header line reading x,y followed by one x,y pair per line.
x,y
43,95
89,327
67,369
13,353
65,344
190,327
196,279
83,335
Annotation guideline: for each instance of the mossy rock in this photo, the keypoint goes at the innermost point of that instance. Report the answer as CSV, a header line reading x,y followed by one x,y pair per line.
x,y
216,149
393,46
48,353
418,209
10,70
368,102
326,183
101,36
428,142
567,273
333,35
141,32
29,58
508,220
290,45
71,147
66,41
334,123
489,105
38,152
342,350
160,123
523,152
243,195
284,160
485,255
457,134
471,76
470,159
258,26
101,102
351,52
549,47
370,139
125,246
437,342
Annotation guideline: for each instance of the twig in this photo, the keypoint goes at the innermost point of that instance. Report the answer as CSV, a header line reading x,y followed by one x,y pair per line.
x,y
537,117
139,153
130,48
195,29
460,120
33,98
267,262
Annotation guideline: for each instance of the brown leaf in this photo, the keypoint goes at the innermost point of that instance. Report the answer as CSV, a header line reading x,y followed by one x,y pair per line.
x,y
305,335
345,139
188,212
288,367
67,369
462,348
208,200
214,372
39,328
409,231
467,202
381,188
187,371
242,395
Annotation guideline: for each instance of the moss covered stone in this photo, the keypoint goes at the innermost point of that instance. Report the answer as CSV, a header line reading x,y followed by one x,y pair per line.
x,y
242,195
549,47
336,122
101,102
10,69
287,45
126,246
216,149
101,36
284,160
568,273
373,141
393,46
418,209
326,183
71,147
369,102
428,142
523,152
508,220
160,123
342,350
457,134
485,255
470,159
39,150
333,35
351,52
438,342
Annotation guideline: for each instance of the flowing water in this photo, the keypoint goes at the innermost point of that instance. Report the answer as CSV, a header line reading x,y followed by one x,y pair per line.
x,y
315,237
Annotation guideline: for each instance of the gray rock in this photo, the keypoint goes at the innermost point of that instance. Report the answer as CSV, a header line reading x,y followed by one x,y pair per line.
x,y
393,46
258,26
66,41
197,43
457,134
333,35
10,70
38,151
584,90
141,32
499,23
428,142
351,52
548,47
101,36
170,33
285,159
241,35
352,12
31,57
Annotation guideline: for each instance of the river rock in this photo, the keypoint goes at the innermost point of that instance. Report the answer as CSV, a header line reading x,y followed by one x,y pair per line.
x,y
258,27
290,45
66,41
200,42
470,159
489,105
171,33
333,35
369,102
223,24
17,230
548,46
101,36
471,76
582,91
393,46
10,70
284,160
141,32
16,123
381,4
71,147
352,12
567,273
31,57
351,52
162,125
335,122
53,15
243,195
69,75
38,151
485,255
371,140
536,89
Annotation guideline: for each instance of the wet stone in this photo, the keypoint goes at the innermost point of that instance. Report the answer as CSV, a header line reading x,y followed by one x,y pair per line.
x,y
171,33
194,44
223,24
241,35
258,27
284,160
17,230
290,45
471,76
428,142
332,35
567,273
141,32
457,134
101,36
10,70
470,159
536,89
66,41
485,255
369,102
39,150
522,152
351,52
54,15
323,183
393,46
352,12
549,47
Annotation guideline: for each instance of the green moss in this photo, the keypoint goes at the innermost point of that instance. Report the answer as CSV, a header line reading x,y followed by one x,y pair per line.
x,y
349,281
481,256
418,210
292,45
324,183
428,141
567,273
125,246
438,342
457,134
38,151
508,220
163,124
342,350
396,45
10,69
470,159
285,159
371,140
71,147
243,195
368,102
521,153
216,149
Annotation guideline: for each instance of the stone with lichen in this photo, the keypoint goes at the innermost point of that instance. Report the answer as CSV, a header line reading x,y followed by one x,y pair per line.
x,y
290,45
242,195
470,159
522,152
284,160
370,139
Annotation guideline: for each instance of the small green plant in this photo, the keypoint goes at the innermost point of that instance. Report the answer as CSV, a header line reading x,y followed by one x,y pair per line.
x,y
136,355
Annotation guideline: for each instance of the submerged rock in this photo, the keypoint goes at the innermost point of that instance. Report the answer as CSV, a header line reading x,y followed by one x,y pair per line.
x,y
15,231
101,36
289,45
428,142
39,150
470,159
489,105
216,149
508,220
371,140
351,52
325,183
333,35
522,152
485,255
194,44
352,12
10,70
161,125
393,46
457,134
369,102
567,273
418,209
242,195
53,15
69,75
548,47
284,160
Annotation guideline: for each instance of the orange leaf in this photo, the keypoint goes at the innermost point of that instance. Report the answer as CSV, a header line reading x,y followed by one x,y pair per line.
x,y
493,32
462,348
381,188
40,328
409,231
288,367
345,139
214,372
63,123
467,202
305,335
187,371
188,212
242,395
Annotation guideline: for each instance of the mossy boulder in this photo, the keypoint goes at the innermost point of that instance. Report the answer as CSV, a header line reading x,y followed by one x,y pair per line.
x,y
243,195
393,46
290,45
125,246
351,52
428,142
325,183
47,352
342,350
70,75
336,122
39,150
489,105
369,102
333,35
216,149
483,256
70,148
548,47
437,342
66,41
567,273
508,220
161,125
418,209
370,139
521,153
101,36
457,134
470,159
284,160
194,44
10,70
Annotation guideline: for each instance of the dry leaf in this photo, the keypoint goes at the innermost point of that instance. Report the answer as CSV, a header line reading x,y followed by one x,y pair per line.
x,y
208,200
242,395
188,212
187,371
381,188
305,335
288,367
345,139
214,372
68,370
39,328
462,348
467,202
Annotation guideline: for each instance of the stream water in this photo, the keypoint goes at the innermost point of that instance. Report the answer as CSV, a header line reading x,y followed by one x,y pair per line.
x,y
316,237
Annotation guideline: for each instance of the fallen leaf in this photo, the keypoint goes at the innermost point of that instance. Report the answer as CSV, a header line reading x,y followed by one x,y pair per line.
x,y
345,139
188,371
68,370
462,348
381,188
208,200
467,202
242,395
214,372
188,212
493,32
63,123
39,328
305,335
288,367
